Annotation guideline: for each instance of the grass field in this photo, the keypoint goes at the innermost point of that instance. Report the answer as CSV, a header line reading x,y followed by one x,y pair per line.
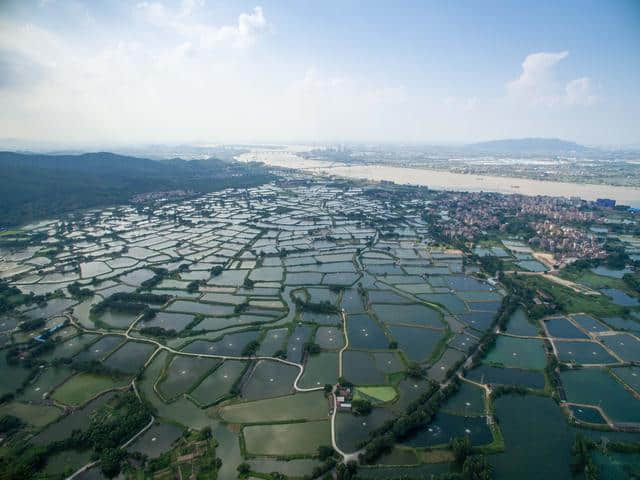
x,y
84,386
36,415
399,456
287,438
65,463
595,281
573,302
381,394
301,406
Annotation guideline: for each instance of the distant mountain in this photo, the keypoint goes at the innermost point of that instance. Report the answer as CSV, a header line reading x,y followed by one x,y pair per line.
x,y
36,186
530,146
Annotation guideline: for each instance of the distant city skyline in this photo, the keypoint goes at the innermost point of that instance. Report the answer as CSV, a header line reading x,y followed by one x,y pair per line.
x,y
82,74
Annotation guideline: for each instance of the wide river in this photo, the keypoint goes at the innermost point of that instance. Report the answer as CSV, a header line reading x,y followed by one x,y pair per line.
x,y
442,180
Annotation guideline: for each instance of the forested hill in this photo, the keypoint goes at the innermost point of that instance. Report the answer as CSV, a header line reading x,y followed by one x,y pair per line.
x,y
38,186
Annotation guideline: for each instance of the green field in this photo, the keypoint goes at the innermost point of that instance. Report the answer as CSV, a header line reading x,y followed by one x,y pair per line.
x,y
381,394
595,281
66,462
573,302
36,415
301,406
48,379
82,387
287,439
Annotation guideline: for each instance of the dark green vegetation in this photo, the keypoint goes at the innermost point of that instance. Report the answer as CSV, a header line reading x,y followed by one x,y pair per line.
x,y
565,299
11,297
135,303
38,186
108,428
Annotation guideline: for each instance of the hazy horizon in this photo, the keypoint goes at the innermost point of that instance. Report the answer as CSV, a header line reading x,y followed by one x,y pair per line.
x,y
91,75
130,147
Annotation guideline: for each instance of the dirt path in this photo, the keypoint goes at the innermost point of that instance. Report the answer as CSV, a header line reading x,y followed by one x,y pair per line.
x,y
576,287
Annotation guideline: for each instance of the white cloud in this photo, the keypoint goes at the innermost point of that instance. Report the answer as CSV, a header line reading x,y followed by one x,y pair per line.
x,y
171,76
537,86
313,80
186,22
465,104
120,90
580,92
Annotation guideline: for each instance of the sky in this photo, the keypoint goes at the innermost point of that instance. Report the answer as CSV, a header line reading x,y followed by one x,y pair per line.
x,y
113,73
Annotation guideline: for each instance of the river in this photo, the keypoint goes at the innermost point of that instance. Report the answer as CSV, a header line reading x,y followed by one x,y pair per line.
x,y
443,180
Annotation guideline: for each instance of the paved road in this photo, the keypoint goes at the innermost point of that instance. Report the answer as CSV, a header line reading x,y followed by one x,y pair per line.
x,y
127,335
346,456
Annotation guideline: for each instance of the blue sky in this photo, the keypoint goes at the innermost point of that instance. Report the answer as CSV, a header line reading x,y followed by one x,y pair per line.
x,y
136,72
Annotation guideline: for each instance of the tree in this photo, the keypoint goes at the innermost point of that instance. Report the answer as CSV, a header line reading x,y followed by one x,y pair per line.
x,y
244,468
110,461
241,307
581,460
193,286
250,348
633,281
491,264
414,370
476,468
79,293
617,260
377,447
325,451
361,407
406,424
158,332
205,433
348,471
29,325
461,448
343,382
312,348
9,423
217,270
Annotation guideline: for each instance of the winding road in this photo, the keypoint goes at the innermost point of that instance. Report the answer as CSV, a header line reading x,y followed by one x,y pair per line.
x,y
160,347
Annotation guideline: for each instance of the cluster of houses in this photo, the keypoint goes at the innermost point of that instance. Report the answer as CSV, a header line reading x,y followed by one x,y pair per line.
x,y
343,398
566,242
